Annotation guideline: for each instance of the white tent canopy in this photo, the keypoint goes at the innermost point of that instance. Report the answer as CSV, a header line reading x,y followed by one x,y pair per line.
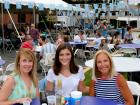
x,y
52,4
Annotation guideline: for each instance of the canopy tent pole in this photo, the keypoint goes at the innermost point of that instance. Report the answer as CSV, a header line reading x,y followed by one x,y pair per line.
x,y
47,28
34,14
14,25
3,47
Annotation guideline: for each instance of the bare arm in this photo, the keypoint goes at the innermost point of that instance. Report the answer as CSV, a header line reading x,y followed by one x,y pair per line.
x,y
37,92
125,91
6,90
91,88
82,87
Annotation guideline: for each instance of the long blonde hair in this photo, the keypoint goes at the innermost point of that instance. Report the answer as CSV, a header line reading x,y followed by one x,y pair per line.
x,y
30,55
96,73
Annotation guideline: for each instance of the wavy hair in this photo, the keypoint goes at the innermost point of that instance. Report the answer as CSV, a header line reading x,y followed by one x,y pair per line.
x,y
57,64
31,56
96,73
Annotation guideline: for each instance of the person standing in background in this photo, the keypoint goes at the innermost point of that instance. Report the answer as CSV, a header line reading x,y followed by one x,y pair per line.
x,y
103,45
22,84
59,39
34,33
27,29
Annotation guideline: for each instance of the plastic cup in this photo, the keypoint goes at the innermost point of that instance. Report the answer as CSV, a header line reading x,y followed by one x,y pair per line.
x,y
76,97
51,100
26,103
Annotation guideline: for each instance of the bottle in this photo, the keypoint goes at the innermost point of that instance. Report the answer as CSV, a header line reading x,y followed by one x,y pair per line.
x,y
59,92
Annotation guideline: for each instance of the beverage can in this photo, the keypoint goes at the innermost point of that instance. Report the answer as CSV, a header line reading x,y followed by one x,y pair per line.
x,y
67,100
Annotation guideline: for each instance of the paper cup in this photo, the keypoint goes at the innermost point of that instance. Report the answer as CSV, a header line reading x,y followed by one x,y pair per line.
x,y
76,97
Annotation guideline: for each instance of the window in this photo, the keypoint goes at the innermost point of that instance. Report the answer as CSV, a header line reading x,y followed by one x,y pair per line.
x,y
21,18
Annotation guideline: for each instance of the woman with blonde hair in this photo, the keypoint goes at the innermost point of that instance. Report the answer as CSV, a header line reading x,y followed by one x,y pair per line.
x,y
21,85
107,83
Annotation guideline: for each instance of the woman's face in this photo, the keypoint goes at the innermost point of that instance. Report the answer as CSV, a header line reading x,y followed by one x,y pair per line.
x,y
65,57
103,64
26,64
103,40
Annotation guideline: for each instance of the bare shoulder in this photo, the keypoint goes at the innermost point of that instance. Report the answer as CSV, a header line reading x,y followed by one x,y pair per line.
x,y
7,88
9,82
10,79
121,80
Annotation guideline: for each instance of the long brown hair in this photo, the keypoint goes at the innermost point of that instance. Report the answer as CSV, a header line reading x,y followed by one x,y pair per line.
x,y
57,65
30,55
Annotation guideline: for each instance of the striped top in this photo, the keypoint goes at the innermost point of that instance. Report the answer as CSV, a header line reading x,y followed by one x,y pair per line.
x,y
108,89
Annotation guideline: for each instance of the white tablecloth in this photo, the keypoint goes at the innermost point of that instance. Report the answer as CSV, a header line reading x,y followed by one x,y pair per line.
x,y
122,64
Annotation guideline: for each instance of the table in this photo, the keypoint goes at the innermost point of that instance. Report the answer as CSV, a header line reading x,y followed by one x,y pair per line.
x,y
77,46
91,38
89,100
122,64
78,43
136,41
133,46
2,62
35,101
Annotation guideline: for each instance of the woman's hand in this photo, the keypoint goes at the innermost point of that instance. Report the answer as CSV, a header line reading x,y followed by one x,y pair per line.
x,y
21,100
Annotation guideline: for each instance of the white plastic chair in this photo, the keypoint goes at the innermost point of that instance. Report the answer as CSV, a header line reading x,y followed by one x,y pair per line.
x,y
111,48
47,62
9,45
135,89
10,68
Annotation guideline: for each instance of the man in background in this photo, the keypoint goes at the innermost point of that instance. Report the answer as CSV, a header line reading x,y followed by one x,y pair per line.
x,y
34,33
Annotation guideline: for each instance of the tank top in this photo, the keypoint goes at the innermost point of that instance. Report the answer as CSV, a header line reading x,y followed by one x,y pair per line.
x,y
108,89
20,89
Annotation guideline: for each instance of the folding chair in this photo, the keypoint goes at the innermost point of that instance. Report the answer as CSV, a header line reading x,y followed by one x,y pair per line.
x,y
9,45
135,89
111,48
80,53
128,51
9,68
47,62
